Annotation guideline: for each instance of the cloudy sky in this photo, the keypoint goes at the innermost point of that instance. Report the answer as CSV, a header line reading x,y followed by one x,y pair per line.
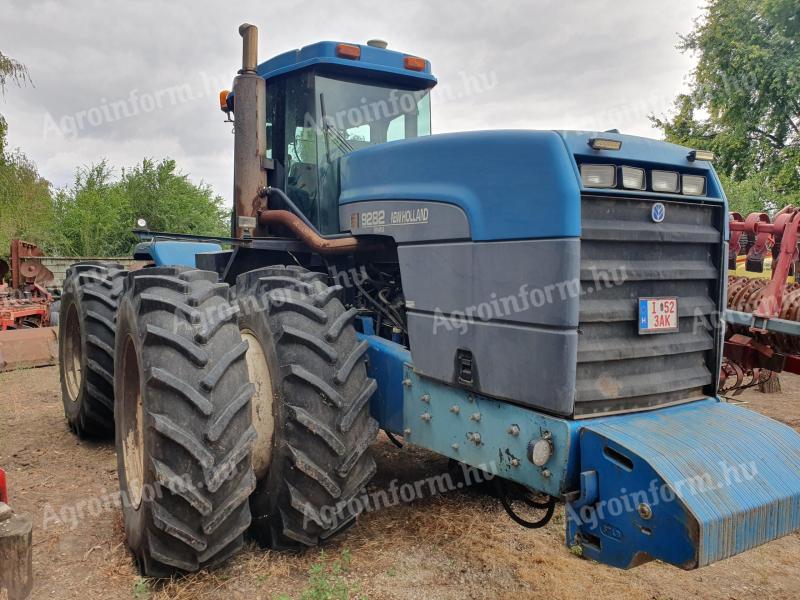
x,y
545,64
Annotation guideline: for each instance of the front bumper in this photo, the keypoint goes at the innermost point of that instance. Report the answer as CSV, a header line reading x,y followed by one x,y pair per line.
x,y
688,485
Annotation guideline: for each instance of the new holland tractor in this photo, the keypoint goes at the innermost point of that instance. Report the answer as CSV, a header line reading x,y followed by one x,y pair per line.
x,y
539,305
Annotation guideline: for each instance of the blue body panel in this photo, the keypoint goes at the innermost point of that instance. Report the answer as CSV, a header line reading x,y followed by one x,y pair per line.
x,y
445,419
377,63
168,252
511,184
386,361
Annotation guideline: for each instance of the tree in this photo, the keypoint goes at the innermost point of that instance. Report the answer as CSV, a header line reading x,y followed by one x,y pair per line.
x,y
95,215
744,102
25,207
169,201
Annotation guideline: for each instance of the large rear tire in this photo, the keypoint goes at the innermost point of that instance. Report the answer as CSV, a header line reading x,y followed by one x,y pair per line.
x,y
86,334
311,406
183,421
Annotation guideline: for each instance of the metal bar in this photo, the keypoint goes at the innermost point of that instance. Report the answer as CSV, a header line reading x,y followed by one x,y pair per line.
x,y
144,234
772,298
762,324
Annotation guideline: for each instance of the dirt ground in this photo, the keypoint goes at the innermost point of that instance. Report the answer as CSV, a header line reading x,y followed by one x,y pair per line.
x,y
459,545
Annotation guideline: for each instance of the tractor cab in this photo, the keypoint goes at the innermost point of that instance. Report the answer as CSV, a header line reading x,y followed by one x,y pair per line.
x,y
329,99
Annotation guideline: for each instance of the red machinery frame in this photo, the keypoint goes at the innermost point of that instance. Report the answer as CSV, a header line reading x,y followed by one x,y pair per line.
x,y
765,314
26,303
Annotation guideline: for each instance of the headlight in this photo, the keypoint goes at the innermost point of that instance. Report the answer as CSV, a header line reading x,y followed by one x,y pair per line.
x,y
665,181
598,176
632,178
693,185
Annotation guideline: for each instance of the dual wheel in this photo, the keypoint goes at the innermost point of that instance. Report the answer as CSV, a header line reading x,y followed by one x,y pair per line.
x,y
222,411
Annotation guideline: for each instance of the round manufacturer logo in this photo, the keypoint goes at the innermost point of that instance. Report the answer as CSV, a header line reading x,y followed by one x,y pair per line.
x,y
658,212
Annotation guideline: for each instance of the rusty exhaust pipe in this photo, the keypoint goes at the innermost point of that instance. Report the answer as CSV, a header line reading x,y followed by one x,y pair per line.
x,y
294,220
308,235
250,143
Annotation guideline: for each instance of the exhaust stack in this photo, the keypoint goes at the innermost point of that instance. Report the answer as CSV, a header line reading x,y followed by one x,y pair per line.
x,y
250,143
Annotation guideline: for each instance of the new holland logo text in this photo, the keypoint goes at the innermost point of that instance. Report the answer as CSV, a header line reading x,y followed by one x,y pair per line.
x,y
409,217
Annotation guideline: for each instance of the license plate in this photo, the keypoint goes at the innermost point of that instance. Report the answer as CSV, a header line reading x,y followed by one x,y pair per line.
x,y
658,315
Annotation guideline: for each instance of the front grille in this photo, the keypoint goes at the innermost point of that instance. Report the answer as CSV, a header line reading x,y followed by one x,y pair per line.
x,y
626,256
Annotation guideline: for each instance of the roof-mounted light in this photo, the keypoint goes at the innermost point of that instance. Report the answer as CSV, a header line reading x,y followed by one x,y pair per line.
x,y
700,155
604,144
350,51
414,63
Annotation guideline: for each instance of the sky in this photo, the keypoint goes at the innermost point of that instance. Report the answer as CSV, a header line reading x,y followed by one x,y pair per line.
x,y
123,80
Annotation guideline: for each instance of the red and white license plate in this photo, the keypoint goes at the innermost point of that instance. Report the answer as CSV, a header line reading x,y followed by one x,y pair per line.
x,y
658,315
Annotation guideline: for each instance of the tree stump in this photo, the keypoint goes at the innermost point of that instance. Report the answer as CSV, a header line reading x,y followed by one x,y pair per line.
x,y
771,385
16,555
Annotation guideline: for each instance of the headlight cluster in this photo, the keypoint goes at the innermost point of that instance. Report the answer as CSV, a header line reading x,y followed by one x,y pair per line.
x,y
633,178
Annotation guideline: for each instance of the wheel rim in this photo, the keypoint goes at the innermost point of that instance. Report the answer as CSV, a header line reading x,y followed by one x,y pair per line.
x,y
261,404
132,430
73,374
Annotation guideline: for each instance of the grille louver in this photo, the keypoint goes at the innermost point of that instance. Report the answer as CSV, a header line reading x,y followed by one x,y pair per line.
x,y
625,256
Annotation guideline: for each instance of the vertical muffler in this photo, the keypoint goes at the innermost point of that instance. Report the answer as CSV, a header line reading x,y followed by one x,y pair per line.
x,y
250,137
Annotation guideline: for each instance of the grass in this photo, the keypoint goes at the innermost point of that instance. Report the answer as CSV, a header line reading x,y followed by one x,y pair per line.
x,y
141,588
327,581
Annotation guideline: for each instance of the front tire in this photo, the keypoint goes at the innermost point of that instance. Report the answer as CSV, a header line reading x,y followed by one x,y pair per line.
x,y
183,421
311,406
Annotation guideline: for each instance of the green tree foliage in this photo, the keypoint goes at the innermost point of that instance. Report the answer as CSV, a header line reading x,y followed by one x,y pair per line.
x,y
745,98
26,208
95,215
11,71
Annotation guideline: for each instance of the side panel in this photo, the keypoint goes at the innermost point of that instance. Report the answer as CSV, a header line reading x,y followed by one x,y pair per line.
x,y
510,307
491,435
385,363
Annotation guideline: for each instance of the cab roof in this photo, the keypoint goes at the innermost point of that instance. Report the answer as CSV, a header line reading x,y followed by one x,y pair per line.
x,y
377,63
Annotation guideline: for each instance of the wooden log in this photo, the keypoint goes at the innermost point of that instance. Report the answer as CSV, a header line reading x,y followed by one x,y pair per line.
x,y
16,556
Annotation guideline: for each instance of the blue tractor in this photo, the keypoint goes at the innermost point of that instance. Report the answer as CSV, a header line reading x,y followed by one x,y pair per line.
x,y
541,306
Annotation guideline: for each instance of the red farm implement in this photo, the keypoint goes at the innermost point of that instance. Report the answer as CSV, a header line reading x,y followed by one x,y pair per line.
x,y
27,338
763,316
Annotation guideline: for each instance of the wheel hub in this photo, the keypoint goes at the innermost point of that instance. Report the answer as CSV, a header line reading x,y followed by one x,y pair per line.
x,y
73,374
131,423
261,405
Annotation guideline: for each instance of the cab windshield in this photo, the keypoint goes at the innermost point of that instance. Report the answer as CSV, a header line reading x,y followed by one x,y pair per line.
x,y
333,118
